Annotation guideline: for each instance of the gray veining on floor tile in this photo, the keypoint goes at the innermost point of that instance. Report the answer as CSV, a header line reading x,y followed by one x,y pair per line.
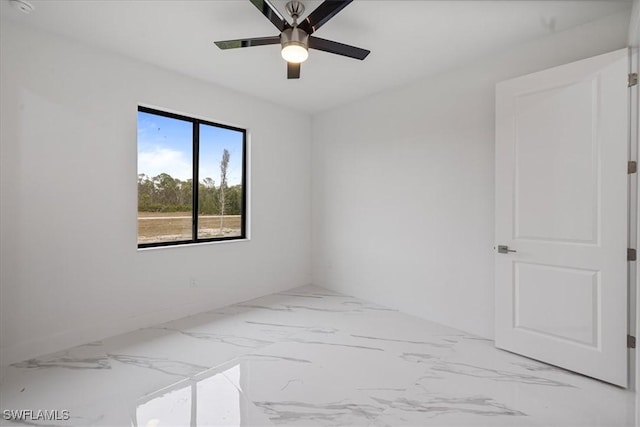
x,y
335,413
292,294
313,329
362,347
438,405
449,344
272,358
264,307
170,367
307,356
417,357
493,374
87,356
234,340
65,362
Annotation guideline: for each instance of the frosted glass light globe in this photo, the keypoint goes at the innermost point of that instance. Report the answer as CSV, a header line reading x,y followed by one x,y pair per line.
x,y
294,53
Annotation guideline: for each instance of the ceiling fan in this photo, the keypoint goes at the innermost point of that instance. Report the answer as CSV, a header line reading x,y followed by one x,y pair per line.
x,y
296,38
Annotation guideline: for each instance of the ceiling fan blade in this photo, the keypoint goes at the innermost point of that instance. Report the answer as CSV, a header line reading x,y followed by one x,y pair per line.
x,y
271,13
258,41
322,14
293,70
338,48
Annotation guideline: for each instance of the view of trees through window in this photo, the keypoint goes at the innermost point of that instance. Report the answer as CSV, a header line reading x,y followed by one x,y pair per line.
x,y
174,152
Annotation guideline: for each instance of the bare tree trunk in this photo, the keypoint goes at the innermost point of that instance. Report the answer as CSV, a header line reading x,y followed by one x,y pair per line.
x,y
223,184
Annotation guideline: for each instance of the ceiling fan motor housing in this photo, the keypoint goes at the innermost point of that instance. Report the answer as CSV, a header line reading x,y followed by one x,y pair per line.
x,y
294,36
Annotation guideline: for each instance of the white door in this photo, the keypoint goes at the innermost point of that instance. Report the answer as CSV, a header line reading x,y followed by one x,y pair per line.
x,y
561,206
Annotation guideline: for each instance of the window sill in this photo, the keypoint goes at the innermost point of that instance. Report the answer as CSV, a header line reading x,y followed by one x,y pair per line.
x,y
189,245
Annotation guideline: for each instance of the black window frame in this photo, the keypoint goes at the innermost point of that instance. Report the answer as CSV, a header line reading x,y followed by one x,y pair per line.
x,y
195,181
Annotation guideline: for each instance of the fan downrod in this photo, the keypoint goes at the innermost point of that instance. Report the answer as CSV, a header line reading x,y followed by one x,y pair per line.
x,y
295,9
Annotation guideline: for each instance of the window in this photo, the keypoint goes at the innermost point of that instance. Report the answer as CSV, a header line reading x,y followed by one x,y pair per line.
x,y
191,180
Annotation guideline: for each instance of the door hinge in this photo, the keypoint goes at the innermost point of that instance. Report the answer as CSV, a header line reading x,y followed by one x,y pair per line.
x,y
631,341
632,167
633,79
631,254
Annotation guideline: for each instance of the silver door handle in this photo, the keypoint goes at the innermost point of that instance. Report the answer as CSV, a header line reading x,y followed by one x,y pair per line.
x,y
504,249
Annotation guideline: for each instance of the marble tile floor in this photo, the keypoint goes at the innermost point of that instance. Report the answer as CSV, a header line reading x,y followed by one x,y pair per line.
x,y
307,356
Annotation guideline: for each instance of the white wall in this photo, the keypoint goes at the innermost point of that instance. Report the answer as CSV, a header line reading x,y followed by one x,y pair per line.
x,y
70,269
403,184
634,25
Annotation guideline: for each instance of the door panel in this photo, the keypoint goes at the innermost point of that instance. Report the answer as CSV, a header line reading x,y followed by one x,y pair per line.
x,y
561,204
556,164
557,301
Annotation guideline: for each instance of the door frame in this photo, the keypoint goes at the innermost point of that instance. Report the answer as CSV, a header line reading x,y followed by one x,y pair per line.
x,y
634,219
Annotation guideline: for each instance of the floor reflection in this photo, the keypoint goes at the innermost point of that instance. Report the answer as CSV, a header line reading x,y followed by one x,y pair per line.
x,y
209,399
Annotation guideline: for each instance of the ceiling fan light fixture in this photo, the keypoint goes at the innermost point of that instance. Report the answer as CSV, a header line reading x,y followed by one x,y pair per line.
x,y
295,45
294,53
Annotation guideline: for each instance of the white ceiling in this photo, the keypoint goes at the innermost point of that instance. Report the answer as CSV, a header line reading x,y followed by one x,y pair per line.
x,y
407,39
